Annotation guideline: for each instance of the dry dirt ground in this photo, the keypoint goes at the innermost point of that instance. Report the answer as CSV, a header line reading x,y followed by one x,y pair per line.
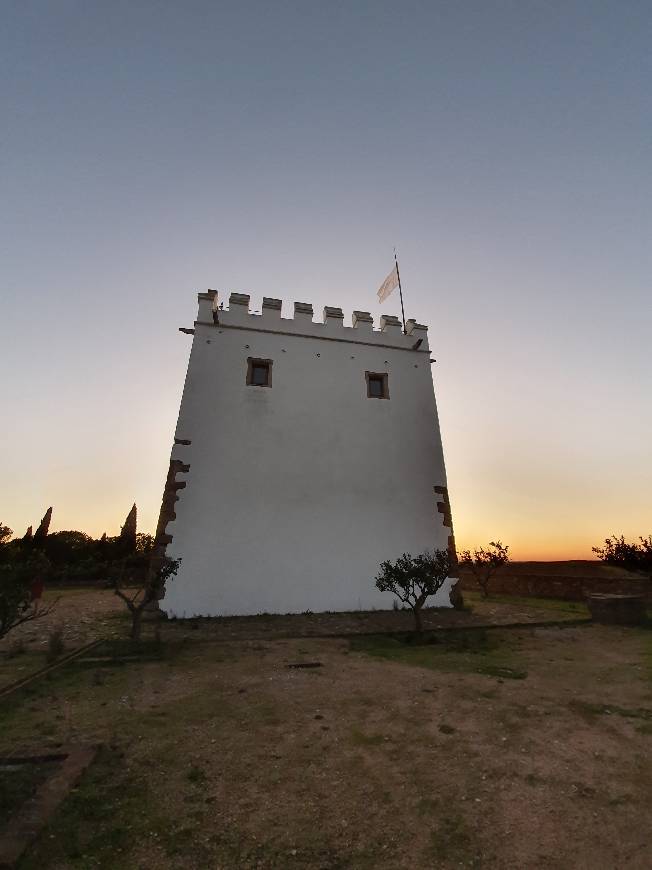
x,y
511,748
83,615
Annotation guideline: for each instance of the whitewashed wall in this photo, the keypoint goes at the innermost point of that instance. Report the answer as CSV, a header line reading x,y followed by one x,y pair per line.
x,y
295,493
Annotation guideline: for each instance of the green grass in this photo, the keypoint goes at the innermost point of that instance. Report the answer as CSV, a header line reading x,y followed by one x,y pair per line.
x,y
479,652
96,690
18,783
117,805
555,605
451,841
117,811
426,806
125,651
96,820
646,637
14,667
533,780
17,665
114,808
314,848
196,775
359,738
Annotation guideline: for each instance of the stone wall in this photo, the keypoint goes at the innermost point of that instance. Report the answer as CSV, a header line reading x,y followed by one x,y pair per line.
x,y
568,587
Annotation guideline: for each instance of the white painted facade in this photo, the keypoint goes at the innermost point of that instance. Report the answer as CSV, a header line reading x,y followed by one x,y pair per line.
x,y
295,493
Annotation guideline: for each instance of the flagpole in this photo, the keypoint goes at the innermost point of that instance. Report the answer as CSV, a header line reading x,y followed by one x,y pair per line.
x,y
400,290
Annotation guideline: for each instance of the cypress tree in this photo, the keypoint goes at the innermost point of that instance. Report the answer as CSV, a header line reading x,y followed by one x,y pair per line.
x,y
42,532
128,532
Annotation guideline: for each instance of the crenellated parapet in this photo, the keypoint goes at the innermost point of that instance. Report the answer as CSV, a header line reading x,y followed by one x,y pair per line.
x,y
238,315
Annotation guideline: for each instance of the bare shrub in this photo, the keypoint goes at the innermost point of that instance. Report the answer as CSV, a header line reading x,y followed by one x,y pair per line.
x,y
484,563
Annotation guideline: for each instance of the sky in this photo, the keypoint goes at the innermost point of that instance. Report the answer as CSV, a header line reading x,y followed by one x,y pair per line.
x,y
153,149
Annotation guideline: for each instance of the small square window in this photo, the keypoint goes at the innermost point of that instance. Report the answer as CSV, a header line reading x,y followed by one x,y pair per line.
x,y
377,386
259,375
259,372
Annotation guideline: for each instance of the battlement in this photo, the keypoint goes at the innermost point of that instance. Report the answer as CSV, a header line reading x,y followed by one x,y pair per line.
x,y
239,316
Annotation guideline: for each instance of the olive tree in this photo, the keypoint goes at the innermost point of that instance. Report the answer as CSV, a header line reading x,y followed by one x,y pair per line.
x,y
159,570
483,564
139,575
413,579
632,557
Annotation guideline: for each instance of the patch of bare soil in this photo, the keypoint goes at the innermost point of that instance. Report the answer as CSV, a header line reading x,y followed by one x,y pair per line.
x,y
224,757
82,615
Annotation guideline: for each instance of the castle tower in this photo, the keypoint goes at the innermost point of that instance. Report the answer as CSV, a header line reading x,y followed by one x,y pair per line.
x,y
305,454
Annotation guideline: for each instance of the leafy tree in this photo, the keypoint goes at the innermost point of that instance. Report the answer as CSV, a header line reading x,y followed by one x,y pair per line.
x,y
68,547
102,548
413,579
138,567
5,534
19,603
484,563
632,557
144,543
161,569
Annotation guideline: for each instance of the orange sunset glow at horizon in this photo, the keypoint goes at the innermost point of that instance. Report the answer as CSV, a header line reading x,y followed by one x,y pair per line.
x,y
540,502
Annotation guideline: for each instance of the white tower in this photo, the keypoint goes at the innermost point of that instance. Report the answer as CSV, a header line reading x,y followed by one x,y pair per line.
x,y
305,454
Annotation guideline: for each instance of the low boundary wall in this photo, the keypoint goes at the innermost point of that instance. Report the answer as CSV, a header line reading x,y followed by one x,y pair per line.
x,y
569,588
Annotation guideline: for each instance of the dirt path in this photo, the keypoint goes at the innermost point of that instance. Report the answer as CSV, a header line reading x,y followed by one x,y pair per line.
x,y
82,615
224,757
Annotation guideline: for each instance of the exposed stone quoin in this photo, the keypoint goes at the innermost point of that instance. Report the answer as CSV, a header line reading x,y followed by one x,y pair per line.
x,y
285,493
167,513
444,508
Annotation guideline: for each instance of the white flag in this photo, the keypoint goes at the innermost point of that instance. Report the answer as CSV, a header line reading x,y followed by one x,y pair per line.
x,y
390,283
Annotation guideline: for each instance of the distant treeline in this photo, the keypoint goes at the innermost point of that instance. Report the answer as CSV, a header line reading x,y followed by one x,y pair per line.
x,y
73,557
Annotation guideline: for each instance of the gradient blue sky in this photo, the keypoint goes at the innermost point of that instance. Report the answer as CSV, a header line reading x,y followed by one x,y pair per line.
x,y
151,149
